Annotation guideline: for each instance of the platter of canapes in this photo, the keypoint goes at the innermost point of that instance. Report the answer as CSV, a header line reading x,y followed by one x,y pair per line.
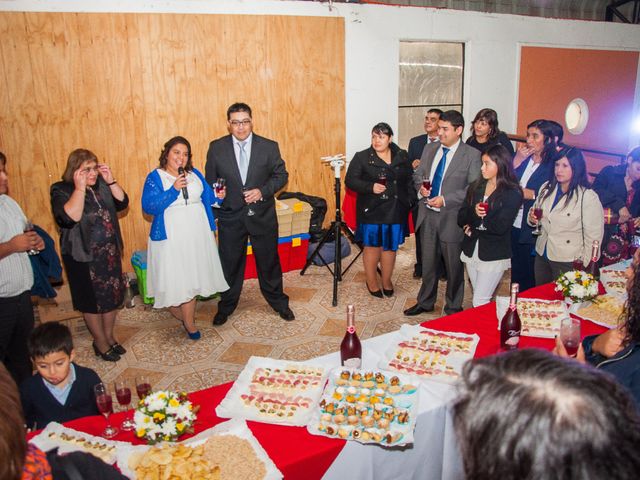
x,y
539,318
227,451
605,310
429,354
614,281
367,406
68,440
274,391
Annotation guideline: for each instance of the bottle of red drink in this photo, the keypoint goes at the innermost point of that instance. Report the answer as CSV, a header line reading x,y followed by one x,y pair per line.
x,y
592,267
510,326
350,348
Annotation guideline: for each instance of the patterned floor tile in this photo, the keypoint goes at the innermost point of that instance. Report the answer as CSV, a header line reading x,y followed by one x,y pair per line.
x,y
311,348
264,323
240,352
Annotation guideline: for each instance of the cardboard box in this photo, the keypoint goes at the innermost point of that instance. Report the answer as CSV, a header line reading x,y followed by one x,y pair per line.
x,y
301,215
285,216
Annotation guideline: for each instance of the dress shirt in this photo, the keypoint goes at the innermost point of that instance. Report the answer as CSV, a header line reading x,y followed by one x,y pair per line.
x,y
247,148
61,394
526,175
16,275
450,154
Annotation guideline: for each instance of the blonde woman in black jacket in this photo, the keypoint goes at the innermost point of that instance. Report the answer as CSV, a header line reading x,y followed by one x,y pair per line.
x,y
486,217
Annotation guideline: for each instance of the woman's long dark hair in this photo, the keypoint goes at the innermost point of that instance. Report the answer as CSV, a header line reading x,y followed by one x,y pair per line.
x,y
169,145
505,179
491,117
578,174
550,150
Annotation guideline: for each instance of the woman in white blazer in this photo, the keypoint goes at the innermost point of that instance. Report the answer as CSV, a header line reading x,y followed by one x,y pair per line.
x,y
572,218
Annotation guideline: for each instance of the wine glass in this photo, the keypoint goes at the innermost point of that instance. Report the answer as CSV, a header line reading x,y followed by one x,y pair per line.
x,y
250,212
28,227
537,213
485,207
105,407
570,335
426,183
123,394
143,386
219,185
382,180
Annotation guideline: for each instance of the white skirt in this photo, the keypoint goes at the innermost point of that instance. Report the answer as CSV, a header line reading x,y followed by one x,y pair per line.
x,y
187,263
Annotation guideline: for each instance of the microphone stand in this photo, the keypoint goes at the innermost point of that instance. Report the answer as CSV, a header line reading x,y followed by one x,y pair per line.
x,y
337,226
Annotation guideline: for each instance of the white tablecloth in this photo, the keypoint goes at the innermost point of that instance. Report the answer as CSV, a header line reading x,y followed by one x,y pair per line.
x,y
432,456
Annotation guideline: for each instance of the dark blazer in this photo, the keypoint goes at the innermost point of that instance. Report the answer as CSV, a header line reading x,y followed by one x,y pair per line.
x,y
75,236
266,171
463,170
416,146
612,191
495,241
40,407
542,174
363,173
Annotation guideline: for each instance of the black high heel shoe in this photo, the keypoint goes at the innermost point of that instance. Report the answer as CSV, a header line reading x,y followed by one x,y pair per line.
x,y
377,293
119,349
108,356
387,293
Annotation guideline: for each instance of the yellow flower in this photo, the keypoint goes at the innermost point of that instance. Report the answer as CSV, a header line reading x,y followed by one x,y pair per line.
x,y
147,419
162,395
140,432
158,416
174,403
179,426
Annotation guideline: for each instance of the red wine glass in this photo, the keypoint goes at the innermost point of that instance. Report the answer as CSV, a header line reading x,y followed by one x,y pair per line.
x,y
570,335
426,183
28,227
123,394
105,407
220,185
143,386
485,207
382,180
537,213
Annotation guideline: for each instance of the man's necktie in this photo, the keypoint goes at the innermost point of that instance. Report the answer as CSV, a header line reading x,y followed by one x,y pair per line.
x,y
243,162
439,175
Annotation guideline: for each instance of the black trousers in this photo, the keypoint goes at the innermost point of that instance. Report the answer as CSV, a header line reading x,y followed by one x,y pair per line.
x,y
232,239
16,324
548,271
522,269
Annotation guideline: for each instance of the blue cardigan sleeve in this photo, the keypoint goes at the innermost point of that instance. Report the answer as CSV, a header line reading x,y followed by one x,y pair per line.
x,y
155,199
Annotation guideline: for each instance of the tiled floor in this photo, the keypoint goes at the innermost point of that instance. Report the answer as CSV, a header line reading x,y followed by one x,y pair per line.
x,y
158,346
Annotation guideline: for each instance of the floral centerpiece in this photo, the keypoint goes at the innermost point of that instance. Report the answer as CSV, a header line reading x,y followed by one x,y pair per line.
x,y
164,416
577,285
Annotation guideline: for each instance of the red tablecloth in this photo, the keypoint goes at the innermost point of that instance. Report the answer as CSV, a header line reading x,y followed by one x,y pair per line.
x,y
300,455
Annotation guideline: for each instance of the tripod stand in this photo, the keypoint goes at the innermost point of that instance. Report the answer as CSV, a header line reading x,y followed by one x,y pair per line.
x,y
337,227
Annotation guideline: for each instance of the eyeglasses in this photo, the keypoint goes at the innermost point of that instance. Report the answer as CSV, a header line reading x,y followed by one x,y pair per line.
x,y
237,123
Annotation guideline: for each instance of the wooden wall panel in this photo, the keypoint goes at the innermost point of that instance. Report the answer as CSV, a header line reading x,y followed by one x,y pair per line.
x,y
122,84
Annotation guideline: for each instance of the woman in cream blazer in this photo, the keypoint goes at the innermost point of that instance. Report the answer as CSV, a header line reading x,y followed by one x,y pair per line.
x,y
572,218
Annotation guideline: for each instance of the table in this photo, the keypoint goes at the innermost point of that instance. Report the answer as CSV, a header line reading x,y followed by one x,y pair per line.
x,y
300,455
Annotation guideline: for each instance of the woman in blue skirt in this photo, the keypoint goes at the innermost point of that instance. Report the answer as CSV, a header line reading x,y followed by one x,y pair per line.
x,y
382,177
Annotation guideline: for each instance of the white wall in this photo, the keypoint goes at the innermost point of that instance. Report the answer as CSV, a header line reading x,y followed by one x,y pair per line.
x,y
372,34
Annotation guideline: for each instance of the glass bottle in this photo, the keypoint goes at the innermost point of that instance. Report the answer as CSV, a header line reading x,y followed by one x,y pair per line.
x,y
350,348
511,326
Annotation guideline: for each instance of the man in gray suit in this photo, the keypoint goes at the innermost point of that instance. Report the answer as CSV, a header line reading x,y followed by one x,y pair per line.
x,y
451,165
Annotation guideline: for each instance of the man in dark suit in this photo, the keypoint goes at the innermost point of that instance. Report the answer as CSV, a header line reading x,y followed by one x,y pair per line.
x,y
416,146
451,165
254,171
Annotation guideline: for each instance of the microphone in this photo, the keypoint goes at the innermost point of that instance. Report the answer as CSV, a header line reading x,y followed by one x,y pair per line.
x,y
185,192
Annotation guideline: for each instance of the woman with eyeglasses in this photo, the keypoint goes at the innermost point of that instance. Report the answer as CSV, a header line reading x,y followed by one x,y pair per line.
x,y
571,221
85,206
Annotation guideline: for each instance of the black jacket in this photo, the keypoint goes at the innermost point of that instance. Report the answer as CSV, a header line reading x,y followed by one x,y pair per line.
x,y
363,173
612,191
495,241
542,174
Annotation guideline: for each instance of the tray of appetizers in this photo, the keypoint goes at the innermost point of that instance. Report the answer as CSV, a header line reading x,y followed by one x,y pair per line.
x,y
539,318
274,391
605,310
367,406
429,354
68,440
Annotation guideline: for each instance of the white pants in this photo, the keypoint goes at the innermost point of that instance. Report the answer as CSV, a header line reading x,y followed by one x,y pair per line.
x,y
483,283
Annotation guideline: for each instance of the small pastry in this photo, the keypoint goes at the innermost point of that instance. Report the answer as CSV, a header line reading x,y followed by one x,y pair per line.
x,y
345,375
374,400
341,382
365,391
350,399
325,417
332,429
339,419
337,395
388,400
377,414
368,384
351,410
344,432
353,420
365,436
352,390
394,381
395,389
367,421
340,410
383,423
356,376
330,407
356,434
379,392
375,435
380,377
354,383
368,375
403,417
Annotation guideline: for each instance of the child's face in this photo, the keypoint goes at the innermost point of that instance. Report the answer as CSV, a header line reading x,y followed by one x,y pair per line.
x,y
54,367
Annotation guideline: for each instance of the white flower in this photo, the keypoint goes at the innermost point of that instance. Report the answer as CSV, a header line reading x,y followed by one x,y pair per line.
x,y
169,427
571,276
577,291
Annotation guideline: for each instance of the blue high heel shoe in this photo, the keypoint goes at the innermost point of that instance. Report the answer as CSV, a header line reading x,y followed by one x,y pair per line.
x,y
192,335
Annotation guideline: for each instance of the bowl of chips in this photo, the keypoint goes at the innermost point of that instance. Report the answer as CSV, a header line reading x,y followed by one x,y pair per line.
x,y
176,462
164,416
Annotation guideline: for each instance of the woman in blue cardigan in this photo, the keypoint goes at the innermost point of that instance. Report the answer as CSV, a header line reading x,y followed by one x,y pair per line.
x,y
182,255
